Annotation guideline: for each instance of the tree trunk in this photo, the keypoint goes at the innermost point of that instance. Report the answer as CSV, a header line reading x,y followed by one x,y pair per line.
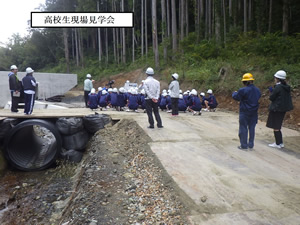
x,y
270,16
186,18
142,28
106,45
133,56
245,16
197,20
146,30
285,17
224,20
76,46
182,18
154,34
168,19
99,37
124,40
163,28
209,19
174,27
218,22
73,44
66,47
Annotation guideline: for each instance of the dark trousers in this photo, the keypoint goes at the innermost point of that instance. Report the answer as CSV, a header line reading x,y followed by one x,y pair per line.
x,y
174,102
14,102
29,103
247,122
86,98
149,106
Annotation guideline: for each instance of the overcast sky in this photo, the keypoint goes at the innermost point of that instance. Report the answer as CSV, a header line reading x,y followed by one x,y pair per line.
x,y
14,15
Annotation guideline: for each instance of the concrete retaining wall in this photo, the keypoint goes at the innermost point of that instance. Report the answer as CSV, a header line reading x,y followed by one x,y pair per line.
x,y
50,84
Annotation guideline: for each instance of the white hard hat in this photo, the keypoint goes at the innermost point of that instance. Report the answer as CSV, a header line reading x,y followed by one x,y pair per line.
x,y
188,91
164,94
115,90
143,81
110,89
93,91
150,71
164,91
193,92
143,91
134,92
181,96
169,92
88,75
127,81
180,91
202,94
29,70
185,93
175,75
122,90
280,74
209,91
99,88
104,92
13,67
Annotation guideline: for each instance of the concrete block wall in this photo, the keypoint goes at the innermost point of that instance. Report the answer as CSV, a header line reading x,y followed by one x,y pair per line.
x,y
50,84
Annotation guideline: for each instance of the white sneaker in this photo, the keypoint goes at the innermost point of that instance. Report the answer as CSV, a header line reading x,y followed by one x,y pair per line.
x,y
282,145
136,110
206,110
194,113
274,145
169,111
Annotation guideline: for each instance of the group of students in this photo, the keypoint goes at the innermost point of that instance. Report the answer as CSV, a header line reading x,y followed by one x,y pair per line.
x,y
134,99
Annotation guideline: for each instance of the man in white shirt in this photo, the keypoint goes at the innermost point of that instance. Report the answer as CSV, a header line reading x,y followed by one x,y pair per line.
x,y
152,90
88,85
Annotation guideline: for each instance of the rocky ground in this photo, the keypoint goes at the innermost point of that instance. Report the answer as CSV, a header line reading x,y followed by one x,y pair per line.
x,y
119,181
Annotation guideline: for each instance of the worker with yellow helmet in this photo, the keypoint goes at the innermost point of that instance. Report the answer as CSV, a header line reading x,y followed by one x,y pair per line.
x,y
248,97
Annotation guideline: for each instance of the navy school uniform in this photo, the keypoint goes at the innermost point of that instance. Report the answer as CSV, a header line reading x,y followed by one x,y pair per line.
x,y
93,101
163,103
182,105
114,99
109,98
133,102
196,103
212,102
169,103
203,99
99,95
122,99
103,101
142,101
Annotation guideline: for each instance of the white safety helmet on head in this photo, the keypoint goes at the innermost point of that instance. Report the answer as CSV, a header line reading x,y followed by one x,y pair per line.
x,y
164,91
88,76
110,90
194,92
164,94
143,81
180,91
181,96
104,92
209,91
99,88
175,76
93,91
127,81
188,91
134,92
29,70
121,90
202,94
13,67
150,71
143,92
115,90
280,74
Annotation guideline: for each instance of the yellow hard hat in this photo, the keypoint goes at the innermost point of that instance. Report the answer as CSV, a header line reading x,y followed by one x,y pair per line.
x,y
247,77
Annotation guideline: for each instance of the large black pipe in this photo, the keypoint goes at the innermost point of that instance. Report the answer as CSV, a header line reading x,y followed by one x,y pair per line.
x,y
32,145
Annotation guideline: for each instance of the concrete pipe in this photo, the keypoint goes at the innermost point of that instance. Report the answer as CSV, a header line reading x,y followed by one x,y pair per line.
x,y
32,145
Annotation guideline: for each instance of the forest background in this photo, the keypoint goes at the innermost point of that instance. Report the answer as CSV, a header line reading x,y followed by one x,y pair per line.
x,y
209,43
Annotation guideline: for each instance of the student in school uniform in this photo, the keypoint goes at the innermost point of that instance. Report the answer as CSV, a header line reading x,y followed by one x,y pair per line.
x,y
99,92
133,101
181,104
93,99
211,102
103,101
114,98
202,99
169,102
163,101
195,103
142,101
122,99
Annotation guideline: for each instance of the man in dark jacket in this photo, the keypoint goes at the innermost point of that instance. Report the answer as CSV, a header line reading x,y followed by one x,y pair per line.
x,y
281,102
15,88
248,97
29,85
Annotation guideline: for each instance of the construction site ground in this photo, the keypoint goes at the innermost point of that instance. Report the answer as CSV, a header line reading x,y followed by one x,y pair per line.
x,y
202,177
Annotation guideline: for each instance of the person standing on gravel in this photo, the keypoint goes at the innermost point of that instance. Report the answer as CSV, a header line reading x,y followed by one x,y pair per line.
x,y
248,97
174,94
281,102
88,85
152,91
